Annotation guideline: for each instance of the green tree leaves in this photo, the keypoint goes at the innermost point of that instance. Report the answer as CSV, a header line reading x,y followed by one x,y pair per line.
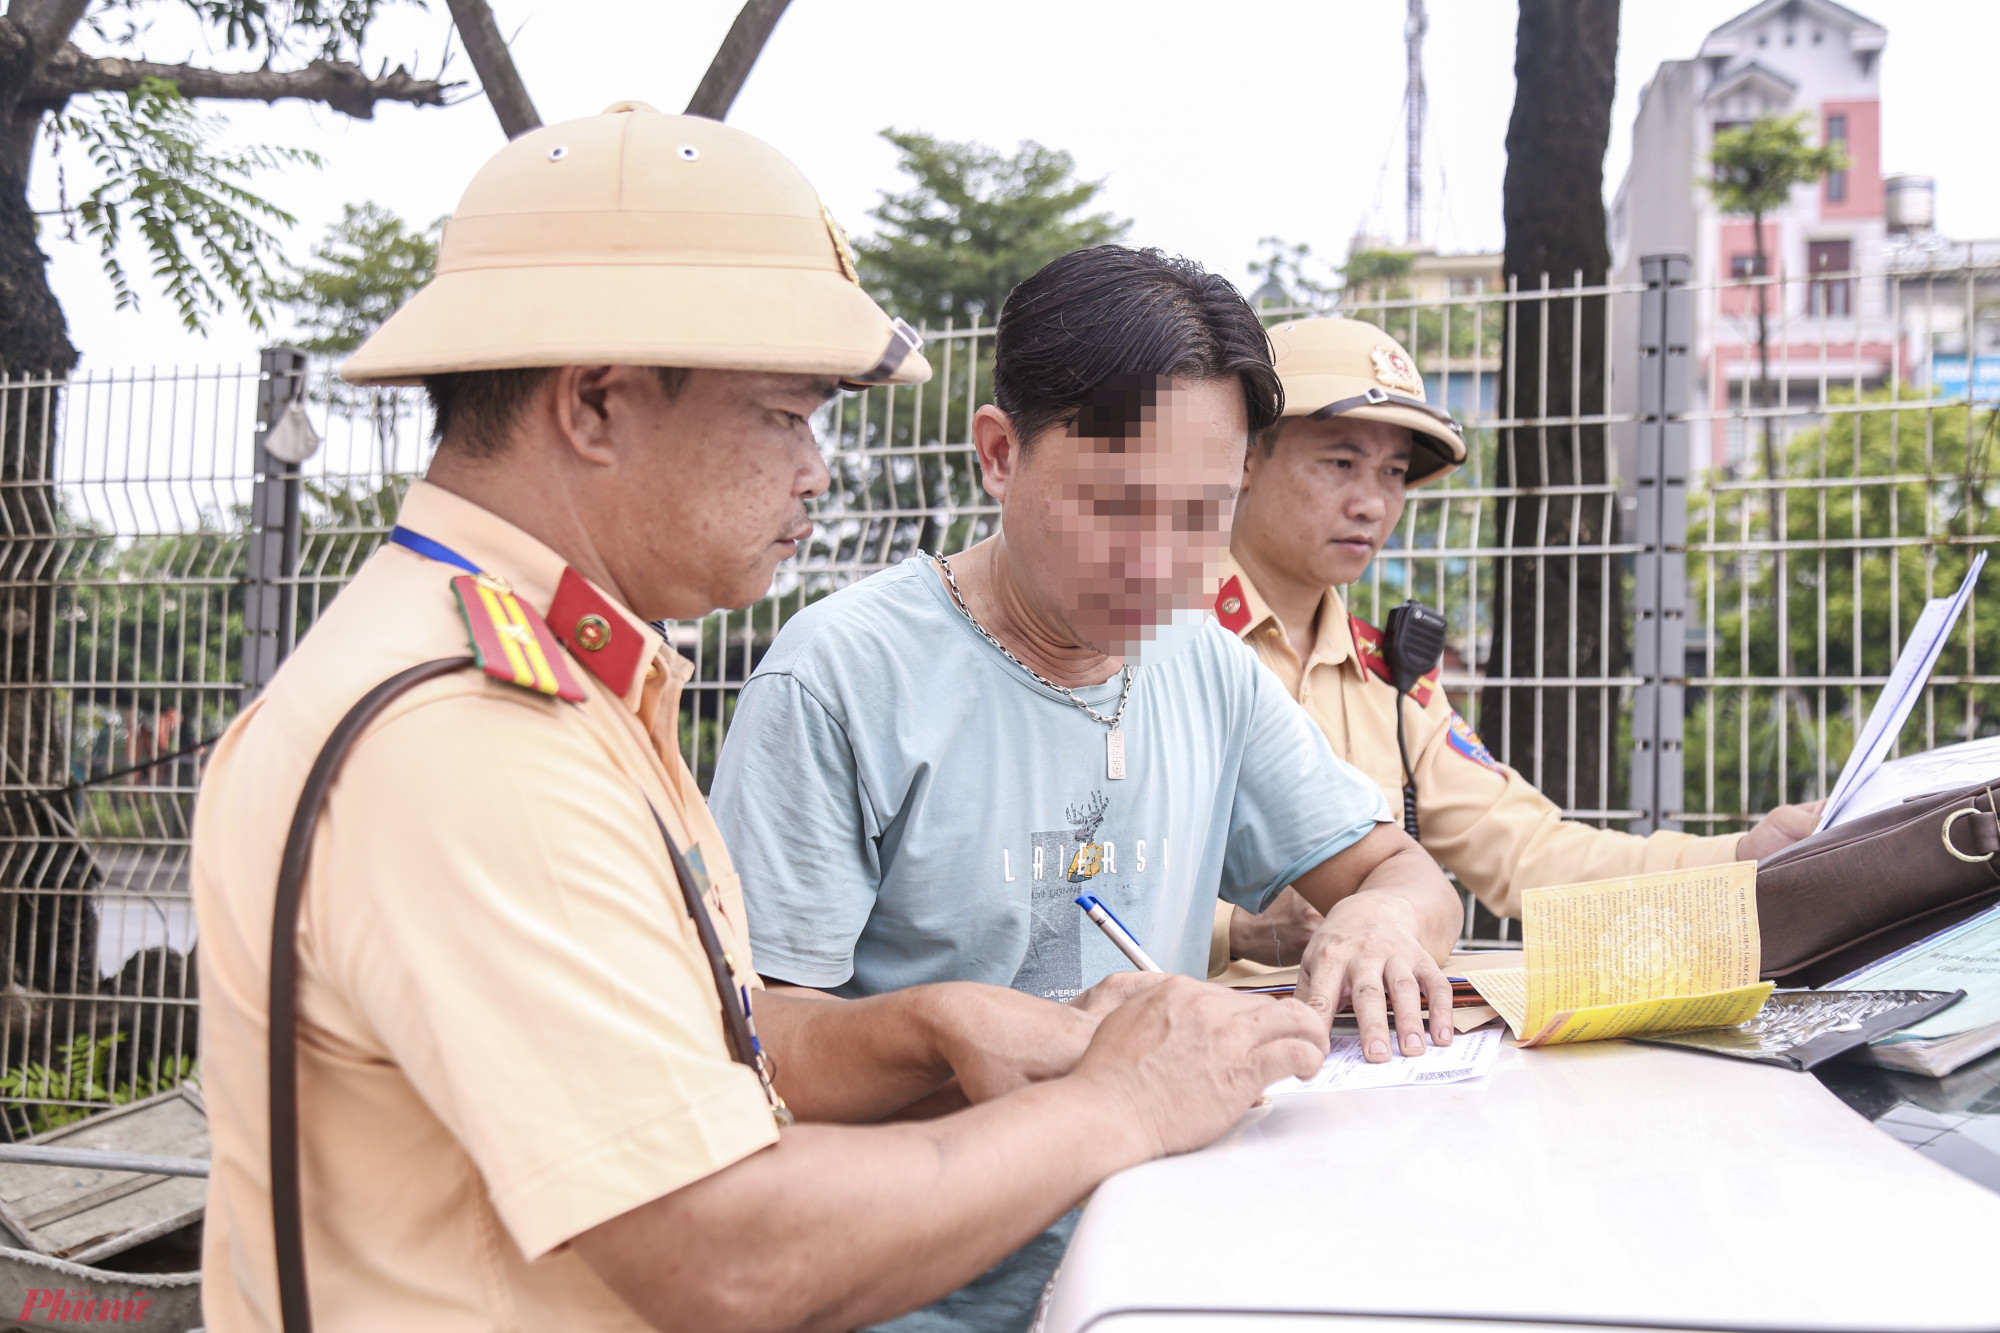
x,y
1291,269
1755,166
1886,508
370,262
1378,275
977,223
202,226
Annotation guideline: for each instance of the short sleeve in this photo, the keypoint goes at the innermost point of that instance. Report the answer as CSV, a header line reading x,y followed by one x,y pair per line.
x,y
493,901
1296,803
787,796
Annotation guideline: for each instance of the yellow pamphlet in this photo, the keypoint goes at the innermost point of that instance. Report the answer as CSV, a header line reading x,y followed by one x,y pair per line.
x,y
1647,953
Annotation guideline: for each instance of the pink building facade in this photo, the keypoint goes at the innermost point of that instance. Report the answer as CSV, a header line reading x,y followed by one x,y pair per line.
x,y
1827,297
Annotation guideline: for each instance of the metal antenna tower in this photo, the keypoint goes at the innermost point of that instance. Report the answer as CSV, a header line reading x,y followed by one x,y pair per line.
x,y
1413,103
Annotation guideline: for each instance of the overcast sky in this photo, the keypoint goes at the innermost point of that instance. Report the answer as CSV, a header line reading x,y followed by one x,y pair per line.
x,y
1212,124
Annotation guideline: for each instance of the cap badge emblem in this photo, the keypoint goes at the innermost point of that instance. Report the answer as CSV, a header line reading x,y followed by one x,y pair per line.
x,y
842,251
592,633
1394,371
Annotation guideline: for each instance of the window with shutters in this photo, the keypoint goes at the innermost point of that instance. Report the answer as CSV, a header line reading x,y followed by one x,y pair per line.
x,y
1831,295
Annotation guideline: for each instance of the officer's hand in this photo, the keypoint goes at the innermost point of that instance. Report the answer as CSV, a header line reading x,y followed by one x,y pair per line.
x,y
997,1040
1367,951
1186,1059
1779,830
1276,936
1115,990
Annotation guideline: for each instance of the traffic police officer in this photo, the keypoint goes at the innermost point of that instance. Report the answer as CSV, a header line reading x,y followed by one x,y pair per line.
x,y
1321,493
526,1090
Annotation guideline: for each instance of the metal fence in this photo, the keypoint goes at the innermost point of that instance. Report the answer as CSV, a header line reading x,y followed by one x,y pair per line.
x,y
174,558
1831,497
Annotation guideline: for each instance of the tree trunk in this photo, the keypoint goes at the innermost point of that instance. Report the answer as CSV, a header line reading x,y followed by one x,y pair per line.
x,y
1553,206
34,338
48,928
1763,390
1765,399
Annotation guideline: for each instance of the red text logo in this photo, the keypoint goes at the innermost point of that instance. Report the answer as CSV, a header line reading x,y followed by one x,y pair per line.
x,y
62,1308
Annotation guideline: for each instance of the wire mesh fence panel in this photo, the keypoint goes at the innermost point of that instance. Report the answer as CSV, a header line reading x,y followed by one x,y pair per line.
x,y
1847,481
1521,548
123,582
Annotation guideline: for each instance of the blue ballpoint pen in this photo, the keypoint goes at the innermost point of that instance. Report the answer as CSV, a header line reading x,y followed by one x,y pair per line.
x,y
1114,930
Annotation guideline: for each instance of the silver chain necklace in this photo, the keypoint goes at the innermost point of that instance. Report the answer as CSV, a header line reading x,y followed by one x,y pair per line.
x,y
1114,739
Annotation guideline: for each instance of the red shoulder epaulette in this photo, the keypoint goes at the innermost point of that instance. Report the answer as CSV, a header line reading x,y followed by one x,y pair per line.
x,y
1368,649
510,642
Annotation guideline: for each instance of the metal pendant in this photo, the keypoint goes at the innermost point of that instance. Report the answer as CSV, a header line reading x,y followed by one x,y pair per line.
x,y
1114,753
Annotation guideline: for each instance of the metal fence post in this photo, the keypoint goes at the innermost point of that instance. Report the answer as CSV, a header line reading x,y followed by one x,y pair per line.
x,y
1659,627
271,590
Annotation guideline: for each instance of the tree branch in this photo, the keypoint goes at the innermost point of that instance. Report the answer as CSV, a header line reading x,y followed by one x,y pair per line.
x,y
733,59
48,22
342,86
494,64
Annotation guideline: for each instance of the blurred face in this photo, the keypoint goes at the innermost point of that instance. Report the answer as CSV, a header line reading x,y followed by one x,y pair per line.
x,y
1321,503
707,490
1116,530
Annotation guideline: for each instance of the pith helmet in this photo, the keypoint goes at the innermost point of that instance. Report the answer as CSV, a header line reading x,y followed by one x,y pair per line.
x,y
636,238
1345,367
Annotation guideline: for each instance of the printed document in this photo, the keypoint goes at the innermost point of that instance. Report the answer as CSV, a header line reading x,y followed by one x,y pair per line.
x,y
1920,774
1963,957
1906,684
1470,1055
1645,953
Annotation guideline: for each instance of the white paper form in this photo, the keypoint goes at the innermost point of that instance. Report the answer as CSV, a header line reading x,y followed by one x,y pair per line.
x,y
1896,780
1899,696
1470,1055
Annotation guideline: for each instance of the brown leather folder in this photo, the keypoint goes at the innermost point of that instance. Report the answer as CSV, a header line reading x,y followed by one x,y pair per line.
x,y
1845,897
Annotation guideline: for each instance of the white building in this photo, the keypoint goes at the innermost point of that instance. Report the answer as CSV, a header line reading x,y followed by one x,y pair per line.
x,y
1779,57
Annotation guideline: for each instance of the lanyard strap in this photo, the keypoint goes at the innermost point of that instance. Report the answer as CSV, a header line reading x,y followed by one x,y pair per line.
x,y
424,546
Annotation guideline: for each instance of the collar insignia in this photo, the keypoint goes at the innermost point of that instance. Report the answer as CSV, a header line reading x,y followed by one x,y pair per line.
x,y
592,628
1368,652
1231,608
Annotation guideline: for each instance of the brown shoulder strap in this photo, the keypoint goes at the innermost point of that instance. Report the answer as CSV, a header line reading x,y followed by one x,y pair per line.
x,y
287,1214
287,1219
735,1021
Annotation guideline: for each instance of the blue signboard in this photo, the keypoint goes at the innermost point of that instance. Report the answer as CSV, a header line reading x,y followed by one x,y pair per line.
x,y
1948,377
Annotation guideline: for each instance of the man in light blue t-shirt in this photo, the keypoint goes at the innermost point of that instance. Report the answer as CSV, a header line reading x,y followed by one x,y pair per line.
x,y
927,768
906,805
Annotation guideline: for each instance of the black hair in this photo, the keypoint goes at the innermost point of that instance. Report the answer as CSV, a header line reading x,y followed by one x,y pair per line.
x,y
1086,342
475,410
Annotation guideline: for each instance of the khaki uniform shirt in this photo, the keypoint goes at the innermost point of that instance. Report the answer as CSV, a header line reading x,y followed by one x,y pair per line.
x,y
509,1031
1483,821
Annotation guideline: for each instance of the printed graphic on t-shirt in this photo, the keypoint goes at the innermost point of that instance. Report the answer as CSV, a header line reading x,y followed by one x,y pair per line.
x,y
1053,965
1061,859
1084,822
